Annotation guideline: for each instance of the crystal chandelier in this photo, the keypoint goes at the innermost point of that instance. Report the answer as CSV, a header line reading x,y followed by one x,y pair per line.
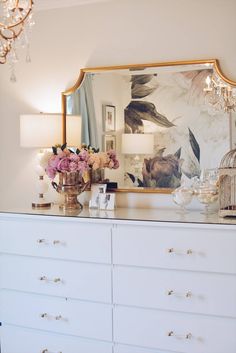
x,y
220,95
15,27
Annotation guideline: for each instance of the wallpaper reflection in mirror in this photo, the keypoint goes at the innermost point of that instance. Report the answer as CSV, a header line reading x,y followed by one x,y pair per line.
x,y
188,135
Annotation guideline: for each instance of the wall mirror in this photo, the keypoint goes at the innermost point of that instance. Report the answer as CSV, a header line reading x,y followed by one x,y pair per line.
x,y
166,121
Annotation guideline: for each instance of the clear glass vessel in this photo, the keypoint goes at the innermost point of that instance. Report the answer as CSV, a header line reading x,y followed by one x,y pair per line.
x,y
182,196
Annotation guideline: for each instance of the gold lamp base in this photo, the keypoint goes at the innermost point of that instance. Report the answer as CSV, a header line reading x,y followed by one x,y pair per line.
x,y
41,203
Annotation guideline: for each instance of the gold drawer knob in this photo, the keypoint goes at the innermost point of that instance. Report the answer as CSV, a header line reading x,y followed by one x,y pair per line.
x,y
187,294
55,242
52,280
176,252
51,317
41,241
188,336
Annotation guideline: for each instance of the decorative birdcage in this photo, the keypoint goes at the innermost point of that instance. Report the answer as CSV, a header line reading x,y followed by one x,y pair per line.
x,y
227,184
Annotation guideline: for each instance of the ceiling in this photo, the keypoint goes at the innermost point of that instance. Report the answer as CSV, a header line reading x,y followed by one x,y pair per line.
x,y
55,4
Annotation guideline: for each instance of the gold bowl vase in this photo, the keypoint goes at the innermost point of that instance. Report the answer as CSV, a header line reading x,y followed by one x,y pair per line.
x,y
71,185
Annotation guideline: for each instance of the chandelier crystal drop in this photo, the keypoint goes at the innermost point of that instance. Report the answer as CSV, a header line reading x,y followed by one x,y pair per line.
x,y
15,28
220,95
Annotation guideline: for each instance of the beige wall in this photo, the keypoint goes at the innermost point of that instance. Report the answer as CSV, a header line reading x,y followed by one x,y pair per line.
x,y
118,32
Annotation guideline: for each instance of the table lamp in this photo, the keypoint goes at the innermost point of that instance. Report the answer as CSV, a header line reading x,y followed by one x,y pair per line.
x,y
44,131
136,144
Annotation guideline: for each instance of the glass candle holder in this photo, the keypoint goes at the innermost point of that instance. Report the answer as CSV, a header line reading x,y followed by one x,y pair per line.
x,y
182,196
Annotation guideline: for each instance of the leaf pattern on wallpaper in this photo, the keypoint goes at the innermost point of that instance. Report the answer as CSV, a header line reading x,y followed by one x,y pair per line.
x,y
191,167
133,179
137,111
194,144
178,153
141,79
139,89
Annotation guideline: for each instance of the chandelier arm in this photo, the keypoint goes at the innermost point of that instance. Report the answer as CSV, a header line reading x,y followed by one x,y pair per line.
x,y
30,5
14,34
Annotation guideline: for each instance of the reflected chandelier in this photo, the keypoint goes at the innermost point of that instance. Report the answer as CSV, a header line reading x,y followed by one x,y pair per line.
x,y
15,24
220,95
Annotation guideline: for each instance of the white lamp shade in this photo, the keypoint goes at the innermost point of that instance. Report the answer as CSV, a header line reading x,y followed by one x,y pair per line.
x,y
40,130
73,130
137,143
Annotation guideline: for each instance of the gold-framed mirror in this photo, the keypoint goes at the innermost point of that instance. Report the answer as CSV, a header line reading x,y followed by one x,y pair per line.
x,y
167,121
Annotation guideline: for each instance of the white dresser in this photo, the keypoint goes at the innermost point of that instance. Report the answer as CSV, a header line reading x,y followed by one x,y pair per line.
x,y
92,285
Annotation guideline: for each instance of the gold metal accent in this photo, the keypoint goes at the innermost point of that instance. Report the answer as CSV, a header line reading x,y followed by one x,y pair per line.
x,y
170,334
173,251
56,242
187,295
41,205
188,336
213,62
10,32
40,241
57,317
142,190
43,315
70,185
55,280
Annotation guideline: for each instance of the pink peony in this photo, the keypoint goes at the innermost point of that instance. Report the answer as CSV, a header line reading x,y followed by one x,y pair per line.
x,y
74,157
116,164
73,166
82,167
63,165
51,172
84,155
53,161
66,161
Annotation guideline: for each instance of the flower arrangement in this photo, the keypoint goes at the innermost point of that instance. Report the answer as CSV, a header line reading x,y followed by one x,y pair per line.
x,y
64,160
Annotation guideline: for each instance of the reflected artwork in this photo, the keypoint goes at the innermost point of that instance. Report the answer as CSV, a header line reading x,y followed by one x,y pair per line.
x,y
189,135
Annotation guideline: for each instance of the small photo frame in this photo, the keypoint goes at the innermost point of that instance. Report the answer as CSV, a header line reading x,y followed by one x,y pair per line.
x,y
96,190
109,142
106,201
109,118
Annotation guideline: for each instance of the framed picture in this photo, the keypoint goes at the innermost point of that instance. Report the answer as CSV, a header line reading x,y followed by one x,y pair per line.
x,y
106,201
109,142
109,118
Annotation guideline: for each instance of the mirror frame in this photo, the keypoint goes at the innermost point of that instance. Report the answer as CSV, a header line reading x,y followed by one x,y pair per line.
x,y
214,62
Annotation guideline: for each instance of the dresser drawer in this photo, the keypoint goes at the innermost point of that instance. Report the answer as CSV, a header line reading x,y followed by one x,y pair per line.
x,y
183,333
56,277
188,248
196,292
47,237
84,319
121,348
32,341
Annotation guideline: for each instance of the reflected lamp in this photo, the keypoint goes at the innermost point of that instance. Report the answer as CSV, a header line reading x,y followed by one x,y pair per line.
x,y
137,144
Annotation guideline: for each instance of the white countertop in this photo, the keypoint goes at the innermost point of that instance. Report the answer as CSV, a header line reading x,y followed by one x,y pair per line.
x,y
134,214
